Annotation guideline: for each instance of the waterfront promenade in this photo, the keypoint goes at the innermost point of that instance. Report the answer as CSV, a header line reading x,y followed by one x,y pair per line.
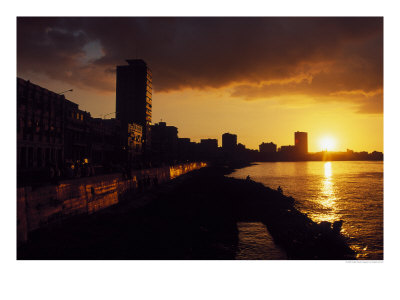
x,y
194,216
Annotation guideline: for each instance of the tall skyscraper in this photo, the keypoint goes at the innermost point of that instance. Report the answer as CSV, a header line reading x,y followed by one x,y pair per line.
x,y
301,142
134,97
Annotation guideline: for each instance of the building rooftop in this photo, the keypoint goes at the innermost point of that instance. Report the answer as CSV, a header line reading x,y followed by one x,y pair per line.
x,y
136,62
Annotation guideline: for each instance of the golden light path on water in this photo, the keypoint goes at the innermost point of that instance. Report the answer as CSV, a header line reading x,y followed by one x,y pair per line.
x,y
328,200
327,197
351,191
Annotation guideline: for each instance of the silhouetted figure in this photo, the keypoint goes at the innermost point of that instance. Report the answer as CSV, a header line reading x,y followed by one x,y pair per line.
x,y
280,189
248,178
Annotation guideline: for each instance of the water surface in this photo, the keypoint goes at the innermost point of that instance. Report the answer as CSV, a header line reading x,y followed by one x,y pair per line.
x,y
351,191
255,242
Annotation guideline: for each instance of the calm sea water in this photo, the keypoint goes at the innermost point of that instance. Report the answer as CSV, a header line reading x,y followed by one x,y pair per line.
x,y
255,242
351,191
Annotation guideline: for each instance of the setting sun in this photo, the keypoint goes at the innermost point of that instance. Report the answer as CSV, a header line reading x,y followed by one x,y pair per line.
x,y
278,120
327,144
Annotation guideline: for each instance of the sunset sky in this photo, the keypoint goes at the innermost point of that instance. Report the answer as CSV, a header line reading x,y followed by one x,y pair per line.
x,y
260,78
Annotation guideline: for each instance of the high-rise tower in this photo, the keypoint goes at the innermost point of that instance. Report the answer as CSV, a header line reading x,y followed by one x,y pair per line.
x,y
301,142
134,97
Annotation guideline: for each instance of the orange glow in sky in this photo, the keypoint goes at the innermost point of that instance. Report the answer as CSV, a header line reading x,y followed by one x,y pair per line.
x,y
215,75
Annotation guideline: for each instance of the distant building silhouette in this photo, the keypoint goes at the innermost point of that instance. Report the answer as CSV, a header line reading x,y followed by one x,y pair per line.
x,y
267,151
287,152
54,136
186,149
229,142
242,154
241,147
164,142
376,155
184,141
105,141
301,142
134,97
208,148
267,148
211,144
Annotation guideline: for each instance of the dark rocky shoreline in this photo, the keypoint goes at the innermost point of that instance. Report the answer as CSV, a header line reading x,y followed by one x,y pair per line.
x,y
192,217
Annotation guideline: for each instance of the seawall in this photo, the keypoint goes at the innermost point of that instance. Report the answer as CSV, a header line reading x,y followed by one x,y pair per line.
x,y
194,217
39,207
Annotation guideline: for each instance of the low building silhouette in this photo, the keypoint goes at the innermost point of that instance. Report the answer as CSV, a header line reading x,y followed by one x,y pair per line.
x,y
77,133
40,127
287,153
376,155
186,149
289,149
208,148
267,151
267,148
245,155
241,147
164,142
229,142
55,138
105,141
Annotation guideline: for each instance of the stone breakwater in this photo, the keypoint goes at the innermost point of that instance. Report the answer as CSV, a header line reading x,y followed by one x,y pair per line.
x,y
297,234
39,207
192,217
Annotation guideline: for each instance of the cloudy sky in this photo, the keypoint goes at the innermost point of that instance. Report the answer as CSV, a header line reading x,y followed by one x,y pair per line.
x,y
261,78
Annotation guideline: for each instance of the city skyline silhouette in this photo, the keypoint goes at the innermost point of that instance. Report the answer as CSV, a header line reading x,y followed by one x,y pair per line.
x,y
230,82
70,162
266,139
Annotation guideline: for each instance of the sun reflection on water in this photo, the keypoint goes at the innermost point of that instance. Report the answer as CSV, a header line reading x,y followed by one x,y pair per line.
x,y
328,169
327,197
331,191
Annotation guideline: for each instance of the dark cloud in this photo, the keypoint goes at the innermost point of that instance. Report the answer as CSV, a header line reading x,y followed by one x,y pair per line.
x,y
261,57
